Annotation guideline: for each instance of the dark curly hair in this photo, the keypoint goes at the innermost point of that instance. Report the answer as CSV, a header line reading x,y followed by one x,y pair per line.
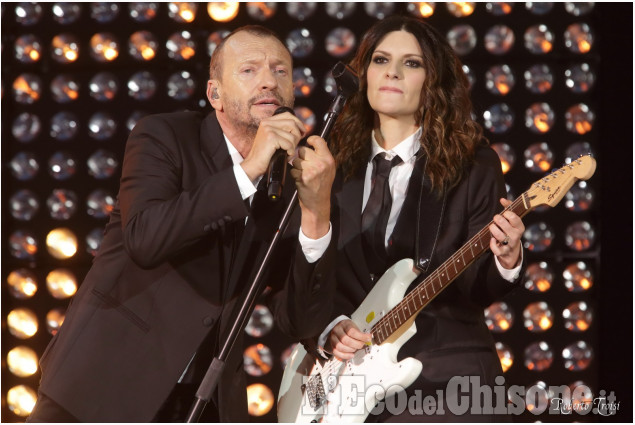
x,y
450,135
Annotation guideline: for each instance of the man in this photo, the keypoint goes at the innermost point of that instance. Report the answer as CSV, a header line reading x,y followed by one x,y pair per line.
x,y
155,306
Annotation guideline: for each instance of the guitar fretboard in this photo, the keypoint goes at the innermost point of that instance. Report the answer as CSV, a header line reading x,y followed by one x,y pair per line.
x,y
439,279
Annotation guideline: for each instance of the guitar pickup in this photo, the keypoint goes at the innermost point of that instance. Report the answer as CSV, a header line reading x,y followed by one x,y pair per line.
x,y
314,390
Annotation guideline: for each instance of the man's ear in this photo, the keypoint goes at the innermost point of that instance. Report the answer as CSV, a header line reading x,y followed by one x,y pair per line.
x,y
213,95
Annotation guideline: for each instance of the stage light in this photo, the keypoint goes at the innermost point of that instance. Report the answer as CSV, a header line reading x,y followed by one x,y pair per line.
x,y
303,82
22,361
498,118
143,45
261,11
505,356
380,10
104,47
64,88
538,79
258,360
61,243
22,323
102,164
300,43
62,165
301,10
100,203
576,150
539,117
22,284
23,245
182,11
499,79
54,320
579,119
65,48
28,13
577,277
538,237
260,322
61,283
537,397
62,204
181,46
104,12
66,13
538,356
64,126
499,317
506,156
259,399
24,166
223,11
577,356
215,39
307,117
340,42
539,8
538,277
499,8
23,205
538,158
579,78
143,11
499,39
579,198
460,9
142,85
26,127
21,400
577,316
462,38
539,39
580,236
103,86
538,317
28,49
579,38
421,9
340,10
102,126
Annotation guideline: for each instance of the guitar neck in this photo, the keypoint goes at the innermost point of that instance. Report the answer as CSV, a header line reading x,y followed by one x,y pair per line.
x,y
439,279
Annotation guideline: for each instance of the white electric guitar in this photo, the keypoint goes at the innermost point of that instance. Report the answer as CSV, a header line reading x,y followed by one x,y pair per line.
x,y
346,391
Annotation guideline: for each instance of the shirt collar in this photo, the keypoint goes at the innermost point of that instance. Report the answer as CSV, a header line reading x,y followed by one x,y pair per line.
x,y
406,149
236,157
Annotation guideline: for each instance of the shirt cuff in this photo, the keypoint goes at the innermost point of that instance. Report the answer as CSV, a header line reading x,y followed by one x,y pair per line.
x,y
246,186
322,339
313,249
510,275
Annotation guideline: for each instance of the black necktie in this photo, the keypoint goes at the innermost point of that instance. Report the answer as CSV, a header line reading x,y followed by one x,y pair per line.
x,y
377,210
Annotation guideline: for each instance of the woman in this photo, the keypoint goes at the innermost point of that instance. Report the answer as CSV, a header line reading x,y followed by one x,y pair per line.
x,y
445,185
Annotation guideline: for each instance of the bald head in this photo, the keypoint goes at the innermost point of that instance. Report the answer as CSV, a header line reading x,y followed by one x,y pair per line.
x,y
216,62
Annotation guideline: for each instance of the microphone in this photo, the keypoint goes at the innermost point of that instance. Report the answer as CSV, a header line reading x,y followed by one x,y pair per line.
x,y
277,171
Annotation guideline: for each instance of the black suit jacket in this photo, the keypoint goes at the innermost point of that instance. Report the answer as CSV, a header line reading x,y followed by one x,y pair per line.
x,y
169,269
453,322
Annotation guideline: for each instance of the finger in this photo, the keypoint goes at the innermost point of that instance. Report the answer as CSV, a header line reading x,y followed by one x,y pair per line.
x,y
497,233
343,356
358,335
505,202
289,122
318,144
514,220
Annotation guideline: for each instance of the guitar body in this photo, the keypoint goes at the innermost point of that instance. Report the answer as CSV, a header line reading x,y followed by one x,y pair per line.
x,y
352,388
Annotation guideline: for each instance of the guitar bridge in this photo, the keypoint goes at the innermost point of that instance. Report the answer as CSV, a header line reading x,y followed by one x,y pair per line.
x,y
315,392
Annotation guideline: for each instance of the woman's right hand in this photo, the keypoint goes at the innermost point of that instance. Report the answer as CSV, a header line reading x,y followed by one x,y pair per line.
x,y
345,339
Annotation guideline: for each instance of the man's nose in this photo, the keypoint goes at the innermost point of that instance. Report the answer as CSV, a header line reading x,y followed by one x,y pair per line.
x,y
268,79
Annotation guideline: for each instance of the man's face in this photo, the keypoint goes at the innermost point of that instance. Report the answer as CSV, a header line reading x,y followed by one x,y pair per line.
x,y
256,79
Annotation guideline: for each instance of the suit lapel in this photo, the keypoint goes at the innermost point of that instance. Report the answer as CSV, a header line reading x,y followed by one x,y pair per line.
x,y
213,147
350,201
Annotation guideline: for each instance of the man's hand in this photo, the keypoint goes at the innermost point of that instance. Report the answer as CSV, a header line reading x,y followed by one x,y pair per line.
x,y
345,339
282,131
314,171
506,231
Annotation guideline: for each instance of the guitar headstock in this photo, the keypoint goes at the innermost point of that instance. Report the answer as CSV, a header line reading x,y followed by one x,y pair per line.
x,y
551,189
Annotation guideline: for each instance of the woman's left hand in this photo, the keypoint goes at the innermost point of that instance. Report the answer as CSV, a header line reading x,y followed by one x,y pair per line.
x,y
506,231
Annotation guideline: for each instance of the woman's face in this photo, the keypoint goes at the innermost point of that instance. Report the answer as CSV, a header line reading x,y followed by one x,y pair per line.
x,y
395,76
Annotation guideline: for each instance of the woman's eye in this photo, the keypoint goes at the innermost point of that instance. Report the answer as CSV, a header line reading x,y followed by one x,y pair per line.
x,y
380,59
414,64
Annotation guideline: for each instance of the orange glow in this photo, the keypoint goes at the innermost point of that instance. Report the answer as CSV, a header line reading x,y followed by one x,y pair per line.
x,y
541,122
147,52
71,93
582,325
305,90
110,53
544,323
544,165
222,11
21,85
187,15
187,52
506,363
584,46
426,10
466,7
70,54
502,88
34,55
585,283
503,324
546,46
543,285
582,127
507,8
505,166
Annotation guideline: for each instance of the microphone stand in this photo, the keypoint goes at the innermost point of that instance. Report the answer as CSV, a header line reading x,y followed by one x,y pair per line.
x,y
347,84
